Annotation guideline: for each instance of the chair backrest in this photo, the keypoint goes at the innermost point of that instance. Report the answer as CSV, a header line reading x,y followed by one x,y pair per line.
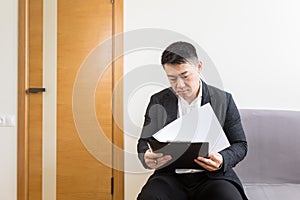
x,y
273,147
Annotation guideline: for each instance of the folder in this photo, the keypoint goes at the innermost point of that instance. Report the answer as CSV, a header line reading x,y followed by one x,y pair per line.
x,y
183,153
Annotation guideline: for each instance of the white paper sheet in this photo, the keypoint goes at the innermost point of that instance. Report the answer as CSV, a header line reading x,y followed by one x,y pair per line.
x,y
200,125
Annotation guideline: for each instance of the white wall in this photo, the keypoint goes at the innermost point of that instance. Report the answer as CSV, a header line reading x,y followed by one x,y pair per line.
x,y
8,100
255,46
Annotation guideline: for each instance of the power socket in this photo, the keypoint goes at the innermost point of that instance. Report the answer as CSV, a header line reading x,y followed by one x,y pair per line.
x,y
7,120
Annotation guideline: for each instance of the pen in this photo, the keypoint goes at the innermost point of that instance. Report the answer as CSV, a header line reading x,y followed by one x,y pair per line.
x,y
149,147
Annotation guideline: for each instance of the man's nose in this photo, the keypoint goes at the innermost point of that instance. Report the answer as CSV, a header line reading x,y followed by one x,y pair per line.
x,y
180,83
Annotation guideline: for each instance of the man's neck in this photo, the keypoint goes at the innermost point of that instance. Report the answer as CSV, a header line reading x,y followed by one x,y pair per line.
x,y
190,100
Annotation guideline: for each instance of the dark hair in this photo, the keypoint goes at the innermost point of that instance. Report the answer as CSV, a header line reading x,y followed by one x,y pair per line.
x,y
179,53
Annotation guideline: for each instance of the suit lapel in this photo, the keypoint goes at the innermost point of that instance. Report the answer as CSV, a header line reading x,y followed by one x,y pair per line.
x,y
171,106
205,94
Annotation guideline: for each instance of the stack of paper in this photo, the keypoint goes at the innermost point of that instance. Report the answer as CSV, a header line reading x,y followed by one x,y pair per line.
x,y
200,125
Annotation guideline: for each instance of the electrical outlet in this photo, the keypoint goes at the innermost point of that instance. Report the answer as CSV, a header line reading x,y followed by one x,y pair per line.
x,y
7,120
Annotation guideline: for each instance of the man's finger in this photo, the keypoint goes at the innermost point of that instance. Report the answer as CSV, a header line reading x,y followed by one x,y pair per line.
x,y
205,166
163,160
154,163
152,155
217,158
214,157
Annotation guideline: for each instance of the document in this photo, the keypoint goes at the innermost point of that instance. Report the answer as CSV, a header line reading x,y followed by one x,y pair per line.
x,y
198,126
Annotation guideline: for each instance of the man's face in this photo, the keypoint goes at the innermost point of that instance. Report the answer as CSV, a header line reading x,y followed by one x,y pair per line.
x,y
184,79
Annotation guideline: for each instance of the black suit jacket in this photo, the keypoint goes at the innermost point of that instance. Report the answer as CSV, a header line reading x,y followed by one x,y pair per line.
x,y
162,110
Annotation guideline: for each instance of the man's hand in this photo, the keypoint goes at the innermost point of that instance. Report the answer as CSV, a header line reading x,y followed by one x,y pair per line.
x,y
213,163
155,160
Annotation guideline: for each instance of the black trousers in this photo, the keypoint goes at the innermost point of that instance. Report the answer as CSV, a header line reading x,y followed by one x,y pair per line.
x,y
195,186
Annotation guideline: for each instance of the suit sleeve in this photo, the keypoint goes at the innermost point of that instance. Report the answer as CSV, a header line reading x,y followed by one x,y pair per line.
x,y
149,128
236,136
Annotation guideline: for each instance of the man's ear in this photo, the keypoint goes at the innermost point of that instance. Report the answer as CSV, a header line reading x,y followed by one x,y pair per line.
x,y
199,66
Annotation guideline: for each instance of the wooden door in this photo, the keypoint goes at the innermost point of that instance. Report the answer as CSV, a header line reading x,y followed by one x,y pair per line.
x,y
82,25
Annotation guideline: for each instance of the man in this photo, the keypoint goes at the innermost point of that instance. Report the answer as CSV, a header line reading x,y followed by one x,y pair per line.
x,y
217,181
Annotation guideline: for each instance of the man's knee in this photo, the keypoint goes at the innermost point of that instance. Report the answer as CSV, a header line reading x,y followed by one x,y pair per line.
x,y
221,190
162,188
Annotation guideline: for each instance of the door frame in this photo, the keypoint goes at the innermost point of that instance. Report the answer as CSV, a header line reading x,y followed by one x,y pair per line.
x,y
23,106
22,127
